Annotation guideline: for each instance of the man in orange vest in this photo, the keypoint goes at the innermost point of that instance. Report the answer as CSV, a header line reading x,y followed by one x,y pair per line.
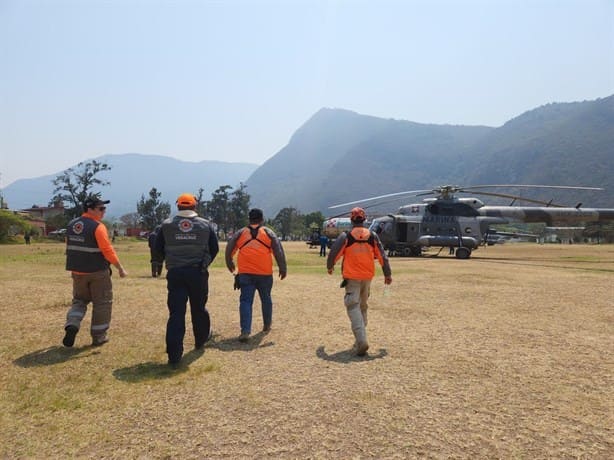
x,y
358,247
256,245
89,254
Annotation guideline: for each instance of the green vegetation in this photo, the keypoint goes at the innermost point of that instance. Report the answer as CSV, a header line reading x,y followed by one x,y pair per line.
x,y
11,224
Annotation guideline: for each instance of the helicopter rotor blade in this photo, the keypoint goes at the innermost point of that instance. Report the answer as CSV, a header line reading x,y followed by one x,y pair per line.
x,y
564,187
409,192
379,203
505,195
448,191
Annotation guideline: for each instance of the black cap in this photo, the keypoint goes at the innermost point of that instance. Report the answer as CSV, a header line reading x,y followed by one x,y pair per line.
x,y
92,201
255,215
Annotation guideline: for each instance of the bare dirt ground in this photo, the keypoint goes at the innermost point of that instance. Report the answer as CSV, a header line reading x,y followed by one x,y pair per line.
x,y
506,355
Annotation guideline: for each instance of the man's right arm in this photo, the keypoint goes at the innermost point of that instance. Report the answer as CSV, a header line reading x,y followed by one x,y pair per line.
x,y
230,248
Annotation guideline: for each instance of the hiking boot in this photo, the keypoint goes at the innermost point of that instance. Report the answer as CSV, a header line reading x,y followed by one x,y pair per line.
x,y
69,337
361,348
98,341
244,337
201,345
174,364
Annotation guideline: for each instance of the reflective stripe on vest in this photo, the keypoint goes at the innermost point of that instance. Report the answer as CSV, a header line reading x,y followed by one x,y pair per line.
x,y
71,247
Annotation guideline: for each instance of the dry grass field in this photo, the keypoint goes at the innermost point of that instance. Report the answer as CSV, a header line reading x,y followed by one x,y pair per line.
x,y
507,355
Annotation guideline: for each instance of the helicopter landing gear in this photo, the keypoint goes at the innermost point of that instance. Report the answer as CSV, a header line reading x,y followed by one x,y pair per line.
x,y
463,252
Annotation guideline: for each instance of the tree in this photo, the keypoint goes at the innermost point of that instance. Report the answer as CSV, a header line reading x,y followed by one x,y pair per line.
x,y
239,207
201,205
313,220
152,211
131,220
11,223
218,207
288,222
601,232
74,185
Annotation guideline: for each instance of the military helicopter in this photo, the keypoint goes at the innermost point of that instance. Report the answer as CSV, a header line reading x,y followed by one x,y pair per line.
x,y
463,224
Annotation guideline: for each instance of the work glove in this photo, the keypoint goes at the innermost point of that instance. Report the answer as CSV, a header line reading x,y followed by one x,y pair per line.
x,y
237,285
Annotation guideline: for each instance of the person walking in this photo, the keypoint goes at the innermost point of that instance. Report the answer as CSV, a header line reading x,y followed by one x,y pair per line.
x,y
358,248
156,258
323,244
189,244
89,255
255,245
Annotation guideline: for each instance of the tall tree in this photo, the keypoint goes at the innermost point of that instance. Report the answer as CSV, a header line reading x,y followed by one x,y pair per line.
x,y
313,220
74,185
152,211
288,222
201,204
219,207
239,207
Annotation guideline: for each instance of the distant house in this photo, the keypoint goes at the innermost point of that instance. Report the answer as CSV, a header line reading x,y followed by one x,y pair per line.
x,y
38,216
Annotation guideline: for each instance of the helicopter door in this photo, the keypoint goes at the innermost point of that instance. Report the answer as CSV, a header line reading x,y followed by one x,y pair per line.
x,y
402,232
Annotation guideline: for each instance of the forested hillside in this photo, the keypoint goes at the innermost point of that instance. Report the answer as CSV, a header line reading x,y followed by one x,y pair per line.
x,y
340,155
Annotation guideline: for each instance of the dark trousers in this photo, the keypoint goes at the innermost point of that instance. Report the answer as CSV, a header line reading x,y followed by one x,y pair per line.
x,y
157,262
183,284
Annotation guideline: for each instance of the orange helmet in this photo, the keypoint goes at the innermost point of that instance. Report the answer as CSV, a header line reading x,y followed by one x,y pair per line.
x,y
358,215
186,199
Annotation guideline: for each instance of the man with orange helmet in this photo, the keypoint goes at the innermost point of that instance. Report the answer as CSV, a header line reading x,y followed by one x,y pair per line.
x,y
358,248
189,245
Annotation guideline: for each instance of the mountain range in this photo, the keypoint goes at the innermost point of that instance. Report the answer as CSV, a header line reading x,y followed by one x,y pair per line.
x,y
133,175
338,156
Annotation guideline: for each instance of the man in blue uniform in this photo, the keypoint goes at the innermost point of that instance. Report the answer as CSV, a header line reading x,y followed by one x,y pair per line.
x,y
189,245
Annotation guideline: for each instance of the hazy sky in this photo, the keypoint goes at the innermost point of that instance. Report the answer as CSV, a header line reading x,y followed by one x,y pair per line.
x,y
232,80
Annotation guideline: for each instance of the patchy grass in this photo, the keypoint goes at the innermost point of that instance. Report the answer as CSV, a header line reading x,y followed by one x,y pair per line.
x,y
504,355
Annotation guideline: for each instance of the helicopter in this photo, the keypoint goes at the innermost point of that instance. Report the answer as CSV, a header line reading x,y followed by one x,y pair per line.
x,y
463,224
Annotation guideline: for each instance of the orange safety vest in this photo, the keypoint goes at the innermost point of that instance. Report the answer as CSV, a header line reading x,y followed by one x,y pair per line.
x,y
254,246
358,254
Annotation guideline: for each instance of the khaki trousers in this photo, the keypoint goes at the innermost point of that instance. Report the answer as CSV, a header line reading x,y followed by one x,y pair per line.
x,y
96,288
355,300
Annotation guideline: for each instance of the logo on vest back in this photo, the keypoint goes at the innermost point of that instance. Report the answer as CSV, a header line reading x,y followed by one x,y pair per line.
x,y
185,225
78,227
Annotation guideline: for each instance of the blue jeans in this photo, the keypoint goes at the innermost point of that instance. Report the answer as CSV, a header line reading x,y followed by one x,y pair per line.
x,y
249,285
185,283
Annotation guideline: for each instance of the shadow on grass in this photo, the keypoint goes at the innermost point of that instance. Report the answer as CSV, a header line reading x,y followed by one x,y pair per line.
x,y
348,356
52,355
233,344
156,371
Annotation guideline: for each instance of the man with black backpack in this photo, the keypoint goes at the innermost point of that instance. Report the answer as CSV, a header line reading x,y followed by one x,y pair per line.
x,y
255,244
358,247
